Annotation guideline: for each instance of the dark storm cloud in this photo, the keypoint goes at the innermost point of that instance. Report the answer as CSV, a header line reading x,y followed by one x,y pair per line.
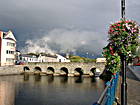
x,y
37,19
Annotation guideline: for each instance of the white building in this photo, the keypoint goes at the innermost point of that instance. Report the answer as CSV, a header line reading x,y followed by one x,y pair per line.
x,y
7,48
47,58
61,58
25,58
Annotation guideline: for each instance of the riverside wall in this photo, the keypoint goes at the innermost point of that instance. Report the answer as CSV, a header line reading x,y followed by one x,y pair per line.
x,y
11,70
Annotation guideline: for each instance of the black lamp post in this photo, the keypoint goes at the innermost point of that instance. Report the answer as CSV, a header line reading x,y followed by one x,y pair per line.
x,y
123,9
123,84
123,61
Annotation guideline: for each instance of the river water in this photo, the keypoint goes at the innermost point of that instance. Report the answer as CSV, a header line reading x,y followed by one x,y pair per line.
x,y
49,90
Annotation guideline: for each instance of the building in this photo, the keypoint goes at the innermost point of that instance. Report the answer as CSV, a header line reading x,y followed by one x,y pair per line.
x,y
25,58
7,48
61,58
47,58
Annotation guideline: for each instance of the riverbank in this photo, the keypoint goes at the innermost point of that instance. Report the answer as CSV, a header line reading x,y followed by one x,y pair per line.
x,y
10,70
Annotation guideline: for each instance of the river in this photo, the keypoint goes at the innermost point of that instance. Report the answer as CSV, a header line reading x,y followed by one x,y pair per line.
x,y
49,90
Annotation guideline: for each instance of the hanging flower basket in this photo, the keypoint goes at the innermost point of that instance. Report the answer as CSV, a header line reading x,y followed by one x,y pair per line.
x,y
123,41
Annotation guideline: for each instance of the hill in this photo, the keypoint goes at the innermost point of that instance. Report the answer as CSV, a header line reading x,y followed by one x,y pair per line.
x,y
80,59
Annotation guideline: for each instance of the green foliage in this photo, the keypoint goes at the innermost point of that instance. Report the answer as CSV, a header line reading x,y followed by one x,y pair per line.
x,y
113,60
80,59
123,41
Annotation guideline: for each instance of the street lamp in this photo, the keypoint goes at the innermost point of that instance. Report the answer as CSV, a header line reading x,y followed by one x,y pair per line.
x,y
123,9
123,60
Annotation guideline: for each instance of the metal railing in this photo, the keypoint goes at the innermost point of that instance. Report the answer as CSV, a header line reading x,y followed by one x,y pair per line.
x,y
108,95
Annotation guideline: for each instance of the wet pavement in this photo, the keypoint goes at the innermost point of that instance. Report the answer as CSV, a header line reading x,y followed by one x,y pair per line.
x,y
133,92
135,70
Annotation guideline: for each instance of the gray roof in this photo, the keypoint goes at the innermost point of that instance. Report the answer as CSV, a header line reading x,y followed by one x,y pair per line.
x,y
30,56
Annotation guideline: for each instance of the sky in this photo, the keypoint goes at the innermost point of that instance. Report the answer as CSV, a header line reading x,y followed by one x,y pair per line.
x,y
61,26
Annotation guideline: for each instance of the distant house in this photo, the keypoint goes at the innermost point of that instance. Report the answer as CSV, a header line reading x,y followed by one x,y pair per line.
x,y
47,58
61,58
7,48
27,58
41,58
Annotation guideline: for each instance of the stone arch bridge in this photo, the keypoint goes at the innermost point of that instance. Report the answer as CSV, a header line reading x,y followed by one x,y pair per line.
x,y
69,68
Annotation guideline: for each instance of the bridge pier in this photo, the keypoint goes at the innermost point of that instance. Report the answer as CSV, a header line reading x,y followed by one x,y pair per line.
x,y
70,75
56,74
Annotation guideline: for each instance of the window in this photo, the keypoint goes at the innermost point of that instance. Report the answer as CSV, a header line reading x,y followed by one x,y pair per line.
x,y
20,58
9,60
10,52
7,52
10,44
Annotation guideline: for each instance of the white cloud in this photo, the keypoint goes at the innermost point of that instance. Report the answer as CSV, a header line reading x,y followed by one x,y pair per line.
x,y
88,19
64,40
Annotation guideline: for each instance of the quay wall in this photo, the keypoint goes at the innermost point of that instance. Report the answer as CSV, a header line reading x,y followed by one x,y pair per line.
x,y
11,70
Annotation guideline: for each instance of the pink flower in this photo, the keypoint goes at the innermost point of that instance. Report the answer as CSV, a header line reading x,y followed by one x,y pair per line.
x,y
127,21
118,25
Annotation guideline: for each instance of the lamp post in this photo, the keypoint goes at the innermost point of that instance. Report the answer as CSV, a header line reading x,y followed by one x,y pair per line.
x,y
123,61
123,9
123,84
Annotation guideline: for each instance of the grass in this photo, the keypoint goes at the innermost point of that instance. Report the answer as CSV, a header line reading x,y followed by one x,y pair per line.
x,y
80,59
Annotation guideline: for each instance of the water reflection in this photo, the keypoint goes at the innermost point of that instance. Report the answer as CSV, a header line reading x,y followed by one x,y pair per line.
x,y
64,79
93,79
26,77
37,77
49,90
50,78
7,93
79,79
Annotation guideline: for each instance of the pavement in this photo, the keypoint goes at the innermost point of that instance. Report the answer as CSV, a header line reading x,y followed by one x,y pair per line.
x,y
135,70
133,87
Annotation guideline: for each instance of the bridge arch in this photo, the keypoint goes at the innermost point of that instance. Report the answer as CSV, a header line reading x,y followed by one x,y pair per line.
x,y
64,71
50,70
25,68
37,68
78,72
93,71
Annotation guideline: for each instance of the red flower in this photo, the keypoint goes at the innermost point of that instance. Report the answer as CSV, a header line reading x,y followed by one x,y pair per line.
x,y
118,25
123,29
114,73
127,21
110,48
